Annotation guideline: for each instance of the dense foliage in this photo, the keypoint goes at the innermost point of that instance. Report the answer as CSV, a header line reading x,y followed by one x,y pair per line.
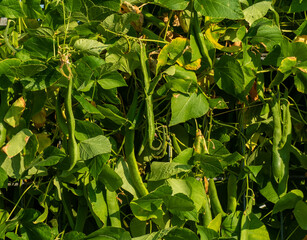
x,y
160,119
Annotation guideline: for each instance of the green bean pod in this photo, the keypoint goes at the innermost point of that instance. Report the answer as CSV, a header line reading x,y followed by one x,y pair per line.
x,y
200,39
59,116
278,167
286,148
175,143
148,98
113,209
232,193
214,199
71,143
207,218
129,151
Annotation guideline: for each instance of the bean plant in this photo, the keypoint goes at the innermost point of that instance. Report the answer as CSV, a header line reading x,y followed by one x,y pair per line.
x,y
153,119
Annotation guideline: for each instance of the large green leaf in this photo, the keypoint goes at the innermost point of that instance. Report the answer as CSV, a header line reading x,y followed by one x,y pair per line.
x,y
96,164
90,46
300,213
87,129
92,147
256,11
173,4
229,77
288,201
211,165
263,31
11,9
96,201
110,178
109,233
164,170
253,229
298,6
185,107
3,178
13,115
219,8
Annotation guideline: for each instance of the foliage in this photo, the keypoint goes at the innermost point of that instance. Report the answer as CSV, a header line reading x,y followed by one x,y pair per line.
x,y
153,119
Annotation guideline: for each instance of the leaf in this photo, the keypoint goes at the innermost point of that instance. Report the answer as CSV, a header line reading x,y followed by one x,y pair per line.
x,y
298,6
86,105
110,178
173,233
206,233
52,155
109,233
164,170
92,147
14,113
17,143
185,108
215,224
150,206
171,51
86,129
3,178
211,165
231,224
265,32
230,9
300,213
256,11
112,80
11,9
173,4
269,192
288,201
96,201
184,156
230,78
37,231
253,229
39,47
123,171
90,46
96,163
300,80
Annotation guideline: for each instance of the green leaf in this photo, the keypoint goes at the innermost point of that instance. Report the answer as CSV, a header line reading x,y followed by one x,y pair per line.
x,y
264,32
90,46
110,178
231,224
302,30
37,231
164,170
123,171
119,23
300,213
33,9
11,9
215,224
52,155
86,129
269,192
185,108
150,206
3,178
288,201
74,235
184,156
229,77
112,80
253,229
173,4
300,79
17,143
86,105
92,147
137,227
96,201
96,164
230,9
298,6
206,233
109,233
211,165
39,47
256,11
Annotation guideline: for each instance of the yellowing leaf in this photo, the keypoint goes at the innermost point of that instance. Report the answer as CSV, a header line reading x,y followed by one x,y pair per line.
x,y
14,113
